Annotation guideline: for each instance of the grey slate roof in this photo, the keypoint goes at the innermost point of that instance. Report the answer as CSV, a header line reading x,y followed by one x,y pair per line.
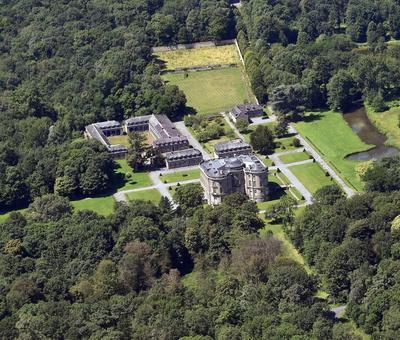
x,y
187,153
232,145
137,120
245,109
95,132
222,167
108,124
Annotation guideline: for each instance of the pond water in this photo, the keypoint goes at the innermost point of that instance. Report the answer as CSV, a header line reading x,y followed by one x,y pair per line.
x,y
369,134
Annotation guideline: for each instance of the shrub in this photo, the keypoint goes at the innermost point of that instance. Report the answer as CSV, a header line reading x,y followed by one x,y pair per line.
x,y
296,142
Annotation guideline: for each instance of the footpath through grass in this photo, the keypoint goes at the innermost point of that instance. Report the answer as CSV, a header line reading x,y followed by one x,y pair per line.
x,y
330,135
312,176
202,56
387,123
213,91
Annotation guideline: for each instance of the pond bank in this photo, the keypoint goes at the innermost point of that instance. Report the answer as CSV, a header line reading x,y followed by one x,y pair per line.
x,y
360,123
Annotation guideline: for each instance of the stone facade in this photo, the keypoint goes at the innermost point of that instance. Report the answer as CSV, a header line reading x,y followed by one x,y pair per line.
x,y
246,111
178,159
245,174
232,148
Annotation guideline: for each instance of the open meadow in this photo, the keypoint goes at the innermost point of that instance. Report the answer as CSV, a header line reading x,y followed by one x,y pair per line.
x,y
202,56
330,135
387,123
214,90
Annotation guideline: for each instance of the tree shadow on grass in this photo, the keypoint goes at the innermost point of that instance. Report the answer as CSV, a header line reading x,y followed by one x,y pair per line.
x,y
311,118
275,191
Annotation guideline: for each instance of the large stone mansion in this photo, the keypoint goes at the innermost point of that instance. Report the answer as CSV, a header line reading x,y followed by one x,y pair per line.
x,y
244,173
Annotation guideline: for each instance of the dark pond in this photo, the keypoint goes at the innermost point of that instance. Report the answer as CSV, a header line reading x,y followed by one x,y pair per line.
x,y
369,134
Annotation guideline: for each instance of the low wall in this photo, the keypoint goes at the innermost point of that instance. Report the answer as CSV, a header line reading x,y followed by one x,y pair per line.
x,y
199,68
192,45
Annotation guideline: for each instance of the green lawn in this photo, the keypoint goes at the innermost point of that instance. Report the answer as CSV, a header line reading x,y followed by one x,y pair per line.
x,y
226,54
312,176
387,123
213,91
123,139
101,205
333,139
284,144
152,195
294,157
180,176
138,179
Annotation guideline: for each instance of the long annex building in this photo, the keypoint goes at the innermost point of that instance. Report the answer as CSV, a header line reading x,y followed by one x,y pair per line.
x,y
167,139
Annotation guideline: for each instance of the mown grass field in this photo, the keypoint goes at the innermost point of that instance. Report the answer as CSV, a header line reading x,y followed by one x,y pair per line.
x,y
101,205
152,195
199,56
330,135
123,139
294,157
387,123
312,176
213,91
137,180
180,176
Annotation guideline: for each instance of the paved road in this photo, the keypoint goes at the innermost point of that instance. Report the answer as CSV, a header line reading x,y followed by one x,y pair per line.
x,y
193,141
292,178
158,184
349,191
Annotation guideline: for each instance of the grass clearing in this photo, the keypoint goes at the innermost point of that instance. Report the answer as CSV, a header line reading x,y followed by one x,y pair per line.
x,y
5,215
180,176
213,91
387,123
334,140
152,195
312,176
288,249
202,56
294,157
137,180
122,139
101,205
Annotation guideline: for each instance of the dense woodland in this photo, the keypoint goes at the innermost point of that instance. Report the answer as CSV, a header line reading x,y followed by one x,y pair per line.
x,y
307,54
354,245
77,275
